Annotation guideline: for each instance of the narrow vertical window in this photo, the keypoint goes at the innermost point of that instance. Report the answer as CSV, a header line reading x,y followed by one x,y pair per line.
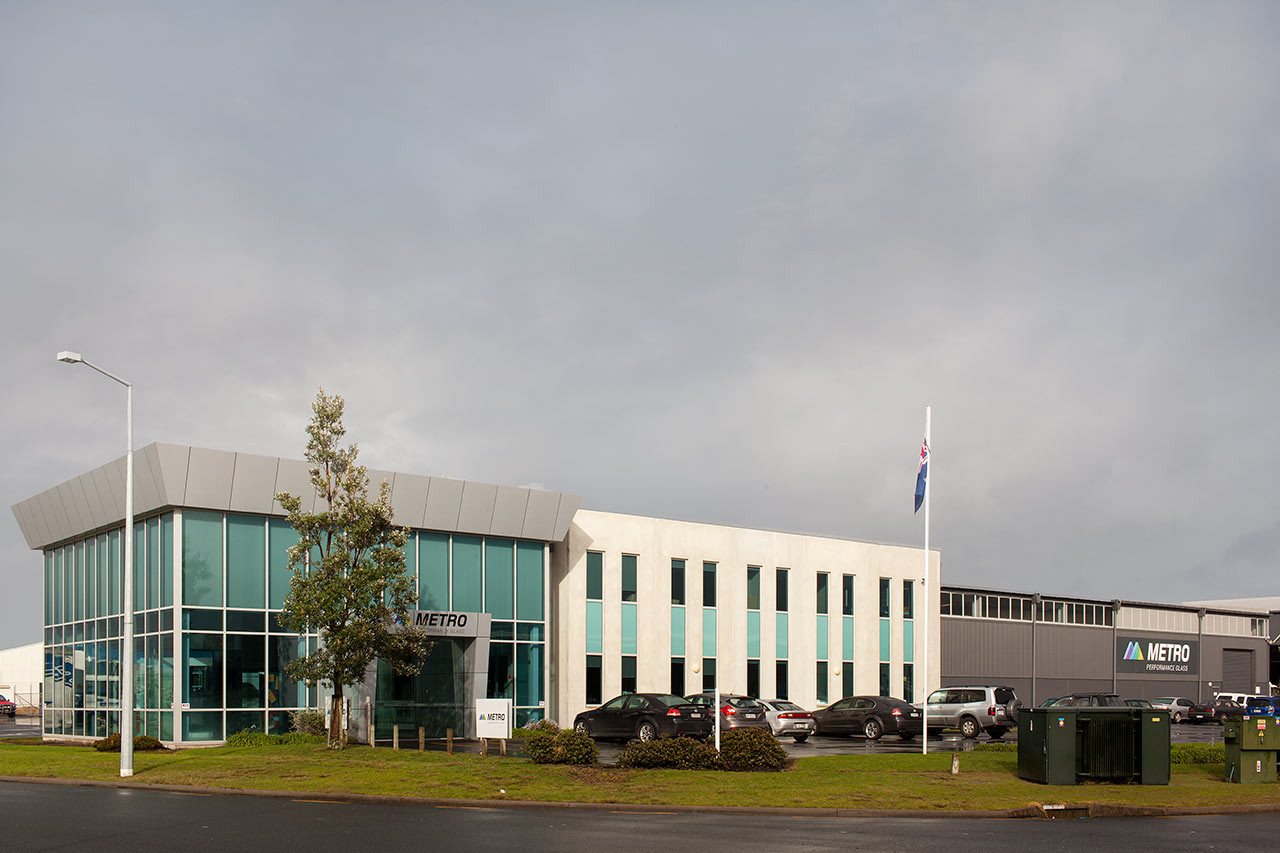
x,y
821,677
708,674
628,674
909,601
708,584
781,680
782,590
908,682
753,587
823,578
594,681
628,577
595,576
846,597
677,581
884,679
885,595
677,676
753,679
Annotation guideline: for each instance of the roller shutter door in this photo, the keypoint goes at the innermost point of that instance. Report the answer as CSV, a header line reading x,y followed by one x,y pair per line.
x,y
1237,671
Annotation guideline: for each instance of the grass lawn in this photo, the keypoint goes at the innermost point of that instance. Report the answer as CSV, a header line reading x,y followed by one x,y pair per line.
x,y
986,780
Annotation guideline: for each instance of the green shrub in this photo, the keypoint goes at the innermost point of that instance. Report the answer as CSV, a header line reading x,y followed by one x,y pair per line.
x,y
308,722
141,743
679,753
548,726
562,747
252,738
995,747
751,749
1197,753
301,739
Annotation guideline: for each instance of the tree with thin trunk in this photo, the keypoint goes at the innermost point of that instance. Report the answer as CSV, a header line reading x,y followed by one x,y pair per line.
x,y
349,581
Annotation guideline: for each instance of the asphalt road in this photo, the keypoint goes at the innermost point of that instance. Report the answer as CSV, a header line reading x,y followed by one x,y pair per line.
x,y
58,817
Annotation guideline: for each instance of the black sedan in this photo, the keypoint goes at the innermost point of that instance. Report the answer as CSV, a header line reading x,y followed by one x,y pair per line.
x,y
869,716
644,716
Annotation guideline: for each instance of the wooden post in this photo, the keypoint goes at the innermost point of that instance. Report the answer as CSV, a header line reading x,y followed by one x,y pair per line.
x,y
955,764
448,741
368,720
503,746
395,738
484,747
422,738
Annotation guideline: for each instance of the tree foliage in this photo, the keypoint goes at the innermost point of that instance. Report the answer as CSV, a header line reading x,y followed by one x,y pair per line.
x,y
349,580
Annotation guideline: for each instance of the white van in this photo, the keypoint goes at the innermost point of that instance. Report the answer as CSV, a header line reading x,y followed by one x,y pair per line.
x,y
1239,698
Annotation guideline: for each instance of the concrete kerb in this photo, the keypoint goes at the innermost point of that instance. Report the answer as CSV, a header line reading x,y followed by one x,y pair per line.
x,y
1034,811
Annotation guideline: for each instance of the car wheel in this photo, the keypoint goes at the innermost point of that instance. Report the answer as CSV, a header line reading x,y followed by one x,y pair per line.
x,y
800,738
647,732
582,728
872,729
969,727
1177,717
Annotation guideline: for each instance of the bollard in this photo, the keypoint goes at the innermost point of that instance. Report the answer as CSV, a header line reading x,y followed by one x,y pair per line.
x,y
395,738
422,738
484,747
955,764
448,740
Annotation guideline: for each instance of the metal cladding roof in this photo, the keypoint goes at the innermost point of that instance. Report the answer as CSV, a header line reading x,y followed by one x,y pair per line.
x,y
172,475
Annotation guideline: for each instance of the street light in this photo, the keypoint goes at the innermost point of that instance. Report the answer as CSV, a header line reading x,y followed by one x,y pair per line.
x,y
126,652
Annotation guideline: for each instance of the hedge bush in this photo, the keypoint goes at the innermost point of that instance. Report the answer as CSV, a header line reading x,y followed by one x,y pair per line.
x,y
1197,753
751,749
678,753
308,722
561,747
141,743
252,738
548,726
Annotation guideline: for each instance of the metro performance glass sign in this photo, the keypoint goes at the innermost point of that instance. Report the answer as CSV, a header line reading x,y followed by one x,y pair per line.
x,y
1145,655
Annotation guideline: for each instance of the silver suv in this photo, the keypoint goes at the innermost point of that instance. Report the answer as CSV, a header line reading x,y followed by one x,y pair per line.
x,y
974,709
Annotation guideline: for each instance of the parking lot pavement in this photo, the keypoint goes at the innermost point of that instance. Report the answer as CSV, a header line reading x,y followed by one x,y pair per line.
x,y
23,726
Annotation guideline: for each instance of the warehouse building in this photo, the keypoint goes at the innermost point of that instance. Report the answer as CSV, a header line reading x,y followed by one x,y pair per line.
x,y
1045,646
529,597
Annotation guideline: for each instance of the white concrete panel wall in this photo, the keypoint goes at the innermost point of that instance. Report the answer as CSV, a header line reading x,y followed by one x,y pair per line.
x,y
655,542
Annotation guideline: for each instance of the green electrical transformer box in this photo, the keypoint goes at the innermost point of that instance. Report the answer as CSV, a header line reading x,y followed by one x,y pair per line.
x,y
1252,744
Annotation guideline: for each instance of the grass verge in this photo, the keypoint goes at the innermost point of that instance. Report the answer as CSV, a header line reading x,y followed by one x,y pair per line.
x,y
988,780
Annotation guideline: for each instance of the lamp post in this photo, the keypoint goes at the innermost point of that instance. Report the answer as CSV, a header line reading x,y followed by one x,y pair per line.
x,y
126,651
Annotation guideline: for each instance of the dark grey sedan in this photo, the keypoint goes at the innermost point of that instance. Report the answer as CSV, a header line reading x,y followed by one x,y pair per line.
x,y
869,716
736,712
644,716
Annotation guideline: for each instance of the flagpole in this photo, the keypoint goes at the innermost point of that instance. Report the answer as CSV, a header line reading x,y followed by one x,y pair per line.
x,y
928,608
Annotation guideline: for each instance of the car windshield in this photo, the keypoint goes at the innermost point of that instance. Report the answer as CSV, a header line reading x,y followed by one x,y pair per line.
x,y
670,701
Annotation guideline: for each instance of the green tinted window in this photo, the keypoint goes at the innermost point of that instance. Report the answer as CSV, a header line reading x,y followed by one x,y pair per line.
x,y
628,577
166,560
246,561
499,578
782,626
822,637
628,629
595,576
202,558
433,571
708,632
753,634
677,632
153,562
281,537
595,627
529,581
140,566
467,575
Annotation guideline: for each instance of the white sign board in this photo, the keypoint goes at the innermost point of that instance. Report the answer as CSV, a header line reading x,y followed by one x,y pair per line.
x,y
493,718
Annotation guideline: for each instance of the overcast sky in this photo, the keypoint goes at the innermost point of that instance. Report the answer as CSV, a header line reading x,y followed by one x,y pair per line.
x,y
706,261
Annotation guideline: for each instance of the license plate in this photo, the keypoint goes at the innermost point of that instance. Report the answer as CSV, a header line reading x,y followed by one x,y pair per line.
x,y
802,725
915,713
695,715
751,716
